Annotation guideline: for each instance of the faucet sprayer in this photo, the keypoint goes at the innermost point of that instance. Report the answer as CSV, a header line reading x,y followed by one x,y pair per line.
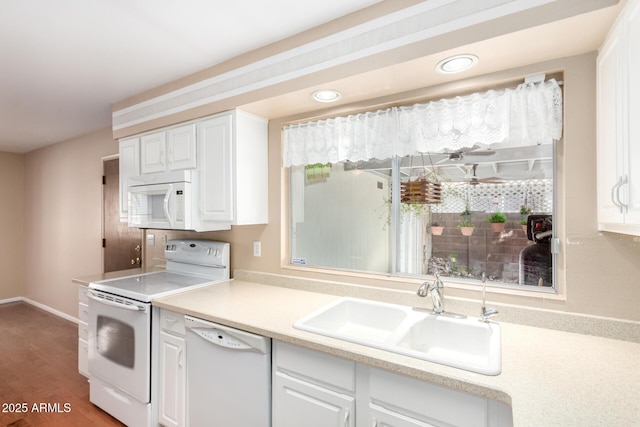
x,y
486,313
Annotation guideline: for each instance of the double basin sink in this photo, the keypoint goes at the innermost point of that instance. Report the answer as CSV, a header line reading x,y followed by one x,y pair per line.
x,y
448,339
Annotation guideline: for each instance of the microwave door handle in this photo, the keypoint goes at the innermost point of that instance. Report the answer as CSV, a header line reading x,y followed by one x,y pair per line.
x,y
167,196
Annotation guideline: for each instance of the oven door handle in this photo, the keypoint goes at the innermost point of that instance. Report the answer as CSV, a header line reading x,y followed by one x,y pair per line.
x,y
113,303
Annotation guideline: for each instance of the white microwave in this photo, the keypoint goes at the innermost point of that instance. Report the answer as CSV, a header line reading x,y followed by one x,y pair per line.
x,y
162,200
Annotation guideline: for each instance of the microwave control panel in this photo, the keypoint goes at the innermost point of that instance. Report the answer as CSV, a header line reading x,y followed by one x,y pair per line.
x,y
180,205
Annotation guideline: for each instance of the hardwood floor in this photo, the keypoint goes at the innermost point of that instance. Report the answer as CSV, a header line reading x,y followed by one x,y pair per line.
x,y
39,380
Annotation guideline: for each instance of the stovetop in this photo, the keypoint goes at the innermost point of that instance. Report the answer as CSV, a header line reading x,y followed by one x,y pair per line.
x,y
190,264
144,287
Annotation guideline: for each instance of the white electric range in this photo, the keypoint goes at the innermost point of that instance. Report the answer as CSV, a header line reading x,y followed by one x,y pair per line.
x,y
121,322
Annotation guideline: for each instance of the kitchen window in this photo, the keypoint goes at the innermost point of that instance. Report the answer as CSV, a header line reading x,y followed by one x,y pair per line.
x,y
463,209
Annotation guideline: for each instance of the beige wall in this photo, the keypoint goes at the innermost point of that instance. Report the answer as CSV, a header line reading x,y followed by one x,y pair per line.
x,y
11,225
598,272
63,217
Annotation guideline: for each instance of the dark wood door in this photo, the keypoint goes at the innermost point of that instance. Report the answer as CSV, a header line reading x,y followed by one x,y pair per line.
x,y
122,245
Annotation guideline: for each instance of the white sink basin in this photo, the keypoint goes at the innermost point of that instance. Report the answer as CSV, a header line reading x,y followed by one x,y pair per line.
x,y
355,320
452,340
465,343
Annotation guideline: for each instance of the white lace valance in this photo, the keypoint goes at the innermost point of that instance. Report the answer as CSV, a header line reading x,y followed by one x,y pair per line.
x,y
528,115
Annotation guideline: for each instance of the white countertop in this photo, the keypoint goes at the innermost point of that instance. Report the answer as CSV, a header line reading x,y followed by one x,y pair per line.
x,y
549,378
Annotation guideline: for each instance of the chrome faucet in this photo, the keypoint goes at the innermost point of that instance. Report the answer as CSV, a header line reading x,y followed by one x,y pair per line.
x,y
435,289
486,312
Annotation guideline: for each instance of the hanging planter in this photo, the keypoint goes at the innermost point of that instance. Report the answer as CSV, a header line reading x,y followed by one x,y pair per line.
x,y
437,230
466,228
467,231
524,214
421,191
497,220
497,227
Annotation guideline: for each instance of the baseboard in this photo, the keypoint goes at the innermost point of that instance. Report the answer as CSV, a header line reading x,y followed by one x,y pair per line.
x,y
42,307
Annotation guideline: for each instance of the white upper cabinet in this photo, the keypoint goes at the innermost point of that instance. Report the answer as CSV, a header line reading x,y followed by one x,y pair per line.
x,y
174,149
228,153
216,179
181,148
153,152
232,168
618,109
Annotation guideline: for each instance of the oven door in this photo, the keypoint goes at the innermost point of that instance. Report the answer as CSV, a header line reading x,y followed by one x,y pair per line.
x,y
120,343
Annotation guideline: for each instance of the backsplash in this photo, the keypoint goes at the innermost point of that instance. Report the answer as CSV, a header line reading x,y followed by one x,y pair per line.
x,y
568,322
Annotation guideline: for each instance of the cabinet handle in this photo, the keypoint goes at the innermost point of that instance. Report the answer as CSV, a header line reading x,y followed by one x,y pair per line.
x,y
345,422
613,193
180,358
374,422
623,207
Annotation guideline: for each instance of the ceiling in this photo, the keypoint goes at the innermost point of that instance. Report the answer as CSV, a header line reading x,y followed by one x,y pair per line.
x,y
65,63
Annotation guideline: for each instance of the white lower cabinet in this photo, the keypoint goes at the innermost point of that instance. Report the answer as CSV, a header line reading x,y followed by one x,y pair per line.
x,y
171,366
302,403
398,400
311,388
83,331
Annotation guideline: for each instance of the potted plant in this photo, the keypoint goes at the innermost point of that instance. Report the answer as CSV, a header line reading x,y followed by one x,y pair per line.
x,y
497,220
466,214
466,228
524,214
436,229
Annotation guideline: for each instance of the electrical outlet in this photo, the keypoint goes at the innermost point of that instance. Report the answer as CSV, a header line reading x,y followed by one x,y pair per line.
x,y
151,239
257,249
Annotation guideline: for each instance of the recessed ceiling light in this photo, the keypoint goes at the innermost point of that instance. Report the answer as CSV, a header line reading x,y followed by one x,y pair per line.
x,y
326,95
456,64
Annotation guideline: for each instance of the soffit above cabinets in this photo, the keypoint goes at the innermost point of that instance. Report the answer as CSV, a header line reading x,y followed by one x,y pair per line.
x,y
373,58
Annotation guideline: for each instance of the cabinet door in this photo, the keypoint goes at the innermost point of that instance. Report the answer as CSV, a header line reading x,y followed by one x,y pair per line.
x,y
153,153
171,399
633,106
129,164
215,158
298,403
181,148
609,110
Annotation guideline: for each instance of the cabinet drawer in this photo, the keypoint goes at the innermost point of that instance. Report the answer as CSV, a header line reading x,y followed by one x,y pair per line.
x,y
426,401
83,331
320,368
83,313
82,294
172,322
